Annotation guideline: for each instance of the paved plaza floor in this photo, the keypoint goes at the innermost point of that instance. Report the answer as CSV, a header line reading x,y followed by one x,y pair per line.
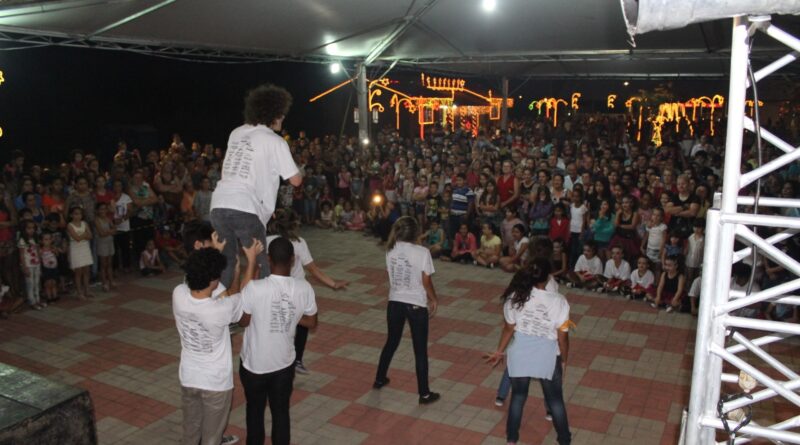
x,y
627,380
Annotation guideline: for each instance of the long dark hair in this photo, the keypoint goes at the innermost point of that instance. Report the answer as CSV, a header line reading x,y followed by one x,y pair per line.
x,y
523,282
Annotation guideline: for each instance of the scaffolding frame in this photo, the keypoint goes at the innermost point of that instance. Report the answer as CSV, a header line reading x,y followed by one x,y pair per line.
x,y
717,321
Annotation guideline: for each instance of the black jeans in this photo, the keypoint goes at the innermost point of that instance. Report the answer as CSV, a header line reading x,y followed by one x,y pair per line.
x,y
300,339
235,227
122,250
553,400
275,387
396,315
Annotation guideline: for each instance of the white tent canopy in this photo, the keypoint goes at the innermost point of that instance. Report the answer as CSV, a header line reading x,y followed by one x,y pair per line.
x,y
519,38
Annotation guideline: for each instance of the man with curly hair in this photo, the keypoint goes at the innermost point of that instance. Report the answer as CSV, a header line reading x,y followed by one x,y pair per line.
x,y
256,158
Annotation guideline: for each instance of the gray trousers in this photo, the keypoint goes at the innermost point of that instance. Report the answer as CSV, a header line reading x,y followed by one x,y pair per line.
x,y
239,228
205,415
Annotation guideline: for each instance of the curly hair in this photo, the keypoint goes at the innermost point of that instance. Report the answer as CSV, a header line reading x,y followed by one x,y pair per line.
x,y
203,266
266,103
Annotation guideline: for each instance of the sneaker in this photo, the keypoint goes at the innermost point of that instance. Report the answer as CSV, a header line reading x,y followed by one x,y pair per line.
x,y
301,368
491,265
600,290
474,263
548,417
429,398
380,384
670,309
498,401
229,440
570,285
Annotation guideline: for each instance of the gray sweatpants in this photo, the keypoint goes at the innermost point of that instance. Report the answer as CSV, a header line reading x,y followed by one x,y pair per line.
x,y
205,415
239,228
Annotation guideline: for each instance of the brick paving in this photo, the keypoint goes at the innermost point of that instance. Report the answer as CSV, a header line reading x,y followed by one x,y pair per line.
x,y
627,380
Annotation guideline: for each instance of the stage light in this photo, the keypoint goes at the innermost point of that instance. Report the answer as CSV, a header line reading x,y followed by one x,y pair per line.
x,y
626,83
489,5
335,67
377,199
365,141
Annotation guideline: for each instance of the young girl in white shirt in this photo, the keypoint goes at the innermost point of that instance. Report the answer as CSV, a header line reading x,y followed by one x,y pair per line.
x,y
642,281
411,297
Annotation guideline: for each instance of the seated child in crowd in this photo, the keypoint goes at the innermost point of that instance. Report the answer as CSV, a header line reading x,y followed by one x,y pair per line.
x,y
642,283
489,252
587,269
518,252
434,239
149,262
464,246
559,261
671,286
617,272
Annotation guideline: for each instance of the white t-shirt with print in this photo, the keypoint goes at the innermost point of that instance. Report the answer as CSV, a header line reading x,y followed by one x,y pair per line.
x,y
121,211
302,256
621,273
542,315
202,324
255,161
276,304
405,263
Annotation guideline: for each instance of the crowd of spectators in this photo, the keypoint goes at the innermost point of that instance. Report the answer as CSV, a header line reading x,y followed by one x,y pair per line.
x,y
614,215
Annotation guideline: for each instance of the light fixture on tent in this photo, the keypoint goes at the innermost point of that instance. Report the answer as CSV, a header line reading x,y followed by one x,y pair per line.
x,y
626,83
335,67
374,116
489,5
365,141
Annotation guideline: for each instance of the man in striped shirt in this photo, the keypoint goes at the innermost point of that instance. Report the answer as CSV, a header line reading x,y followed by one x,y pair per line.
x,y
461,206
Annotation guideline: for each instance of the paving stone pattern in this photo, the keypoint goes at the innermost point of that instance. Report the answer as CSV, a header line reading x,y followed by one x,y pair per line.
x,y
627,380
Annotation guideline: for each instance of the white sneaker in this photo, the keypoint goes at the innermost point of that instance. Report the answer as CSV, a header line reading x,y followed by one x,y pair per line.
x,y
229,440
548,417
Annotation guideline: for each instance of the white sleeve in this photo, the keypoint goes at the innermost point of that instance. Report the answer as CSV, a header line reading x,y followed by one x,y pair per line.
x,y
580,265
694,291
311,301
247,294
286,165
607,273
624,270
562,316
509,313
598,266
303,252
236,305
427,263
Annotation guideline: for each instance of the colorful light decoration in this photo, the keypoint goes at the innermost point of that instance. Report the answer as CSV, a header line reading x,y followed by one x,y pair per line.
x,y
669,112
610,100
629,105
574,101
550,103
426,107
748,103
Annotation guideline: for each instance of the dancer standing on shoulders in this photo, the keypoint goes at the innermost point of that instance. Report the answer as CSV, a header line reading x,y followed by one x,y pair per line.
x,y
411,297
256,159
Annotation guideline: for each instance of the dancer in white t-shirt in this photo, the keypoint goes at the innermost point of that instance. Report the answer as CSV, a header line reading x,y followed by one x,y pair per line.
x,y
256,159
411,297
287,224
272,308
206,367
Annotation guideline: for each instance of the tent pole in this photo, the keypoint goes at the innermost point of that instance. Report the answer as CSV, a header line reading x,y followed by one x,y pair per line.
x,y
504,106
363,104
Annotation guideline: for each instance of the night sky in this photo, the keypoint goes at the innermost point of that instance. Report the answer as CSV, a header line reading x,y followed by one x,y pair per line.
x,y
58,99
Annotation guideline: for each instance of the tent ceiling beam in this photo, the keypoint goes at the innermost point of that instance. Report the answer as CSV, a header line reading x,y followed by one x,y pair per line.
x,y
131,17
401,28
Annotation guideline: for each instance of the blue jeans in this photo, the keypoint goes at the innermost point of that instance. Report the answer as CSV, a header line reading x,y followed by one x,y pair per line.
x,y
553,398
505,385
235,227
